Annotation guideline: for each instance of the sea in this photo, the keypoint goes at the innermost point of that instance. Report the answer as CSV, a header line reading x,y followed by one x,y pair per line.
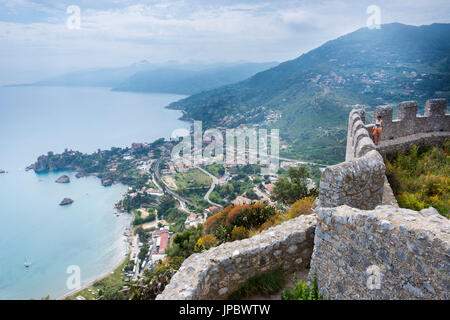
x,y
85,238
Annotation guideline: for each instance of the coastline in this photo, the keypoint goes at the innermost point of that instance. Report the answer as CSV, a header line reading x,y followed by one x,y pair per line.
x,y
127,253
110,271
90,283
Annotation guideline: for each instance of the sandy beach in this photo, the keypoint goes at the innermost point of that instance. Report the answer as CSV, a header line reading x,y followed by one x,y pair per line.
x,y
130,238
90,283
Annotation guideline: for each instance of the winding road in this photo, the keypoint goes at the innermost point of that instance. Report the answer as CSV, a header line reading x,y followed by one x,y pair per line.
x,y
214,182
180,199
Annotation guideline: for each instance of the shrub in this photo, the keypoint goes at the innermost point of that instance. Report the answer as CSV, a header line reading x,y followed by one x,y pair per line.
x,y
222,234
205,243
236,212
420,177
254,216
301,207
215,220
301,291
239,233
267,283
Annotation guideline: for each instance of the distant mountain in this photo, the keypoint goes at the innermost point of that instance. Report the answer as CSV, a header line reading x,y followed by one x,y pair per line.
x,y
168,77
191,79
309,98
105,77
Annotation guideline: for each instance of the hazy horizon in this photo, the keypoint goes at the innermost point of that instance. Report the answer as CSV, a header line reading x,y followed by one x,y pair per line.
x,y
37,42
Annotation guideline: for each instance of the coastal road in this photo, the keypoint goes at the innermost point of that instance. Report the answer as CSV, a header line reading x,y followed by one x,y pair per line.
x,y
214,182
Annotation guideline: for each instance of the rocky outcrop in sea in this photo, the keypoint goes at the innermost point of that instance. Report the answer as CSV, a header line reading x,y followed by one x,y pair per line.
x,y
66,201
63,179
55,162
106,182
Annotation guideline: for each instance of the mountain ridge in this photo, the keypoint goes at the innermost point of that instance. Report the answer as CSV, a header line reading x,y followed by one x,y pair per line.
x,y
312,94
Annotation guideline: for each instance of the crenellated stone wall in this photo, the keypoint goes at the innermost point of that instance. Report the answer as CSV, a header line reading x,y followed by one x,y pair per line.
x,y
386,253
219,271
408,122
358,182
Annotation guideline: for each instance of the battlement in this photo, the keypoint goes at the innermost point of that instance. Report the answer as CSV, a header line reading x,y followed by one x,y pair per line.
x,y
409,122
359,181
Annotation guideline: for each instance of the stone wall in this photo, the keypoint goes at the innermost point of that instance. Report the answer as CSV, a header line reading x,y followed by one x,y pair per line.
x,y
386,253
219,271
358,182
420,139
408,122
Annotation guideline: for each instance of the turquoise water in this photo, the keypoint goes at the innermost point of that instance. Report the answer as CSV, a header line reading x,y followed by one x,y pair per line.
x,y
34,120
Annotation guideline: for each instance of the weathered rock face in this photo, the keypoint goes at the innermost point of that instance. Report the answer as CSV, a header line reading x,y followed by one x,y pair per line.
x,y
217,272
63,179
66,201
386,253
106,182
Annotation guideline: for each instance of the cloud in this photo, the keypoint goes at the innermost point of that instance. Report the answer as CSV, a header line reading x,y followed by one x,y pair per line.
x,y
121,32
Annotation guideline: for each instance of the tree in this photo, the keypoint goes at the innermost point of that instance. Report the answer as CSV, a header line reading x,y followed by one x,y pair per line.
x,y
289,189
184,243
112,293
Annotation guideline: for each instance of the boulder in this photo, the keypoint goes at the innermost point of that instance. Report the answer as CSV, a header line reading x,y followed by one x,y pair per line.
x,y
66,201
107,182
63,179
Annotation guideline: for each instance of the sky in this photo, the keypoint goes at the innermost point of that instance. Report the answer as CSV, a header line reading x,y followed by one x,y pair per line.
x,y
41,38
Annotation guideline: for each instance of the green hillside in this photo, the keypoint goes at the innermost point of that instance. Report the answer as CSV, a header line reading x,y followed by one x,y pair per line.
x,y
309,98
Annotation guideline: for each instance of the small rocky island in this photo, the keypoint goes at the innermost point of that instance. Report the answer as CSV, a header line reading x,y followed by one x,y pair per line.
x,y
63,179
66,201
3,171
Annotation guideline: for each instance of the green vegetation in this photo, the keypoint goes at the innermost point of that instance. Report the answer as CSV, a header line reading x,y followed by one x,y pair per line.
x,y
138,219
215,169
144,235
154,282
110,287
267,283
420,177
301,291
238,185
301,207
315,91
137,201
240,222
289,189
192,179
168,211
184,243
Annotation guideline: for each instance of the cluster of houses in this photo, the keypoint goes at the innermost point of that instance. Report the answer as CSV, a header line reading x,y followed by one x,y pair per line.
x,y
194,220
